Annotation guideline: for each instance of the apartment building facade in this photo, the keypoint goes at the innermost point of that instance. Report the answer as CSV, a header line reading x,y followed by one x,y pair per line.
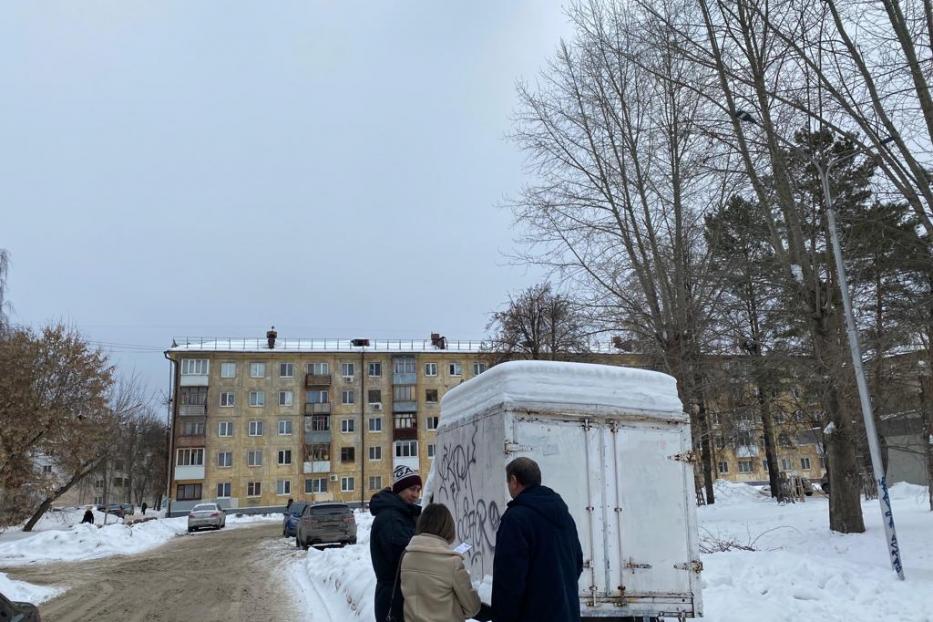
x,y
316,420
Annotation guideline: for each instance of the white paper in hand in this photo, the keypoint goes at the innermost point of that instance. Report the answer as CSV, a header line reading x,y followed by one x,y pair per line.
x,y
462,548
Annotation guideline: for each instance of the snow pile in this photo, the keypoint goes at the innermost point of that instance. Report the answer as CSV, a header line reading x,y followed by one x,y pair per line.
x,y
20,591
796,568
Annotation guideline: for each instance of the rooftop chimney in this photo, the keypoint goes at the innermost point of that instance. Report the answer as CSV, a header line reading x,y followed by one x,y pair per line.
x,y
270,337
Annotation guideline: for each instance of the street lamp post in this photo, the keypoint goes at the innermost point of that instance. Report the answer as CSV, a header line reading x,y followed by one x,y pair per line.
x,y
823,169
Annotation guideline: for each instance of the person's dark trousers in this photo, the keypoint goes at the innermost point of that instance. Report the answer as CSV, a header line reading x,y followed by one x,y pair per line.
x,y
383,600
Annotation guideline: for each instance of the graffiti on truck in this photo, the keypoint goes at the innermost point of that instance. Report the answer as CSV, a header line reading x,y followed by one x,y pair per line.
x,y
477,518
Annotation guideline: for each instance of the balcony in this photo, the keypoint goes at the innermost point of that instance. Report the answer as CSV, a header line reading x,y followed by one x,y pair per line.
x,y
317,437
317,380
190,440
189,472
405,427
404,378
318,466
404,407
317,408
192,410
193,380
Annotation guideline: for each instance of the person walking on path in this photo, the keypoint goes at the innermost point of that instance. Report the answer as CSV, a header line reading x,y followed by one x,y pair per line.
x,y
435,584
538,559
395,514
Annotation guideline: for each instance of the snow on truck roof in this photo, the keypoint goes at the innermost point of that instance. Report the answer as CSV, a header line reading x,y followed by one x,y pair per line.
x,y
574,387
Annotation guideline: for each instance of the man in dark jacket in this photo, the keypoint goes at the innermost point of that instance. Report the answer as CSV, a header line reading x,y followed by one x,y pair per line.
x,y
538,558
395,515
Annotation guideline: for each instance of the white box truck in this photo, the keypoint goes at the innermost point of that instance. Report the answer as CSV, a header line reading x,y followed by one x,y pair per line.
x,y
614,443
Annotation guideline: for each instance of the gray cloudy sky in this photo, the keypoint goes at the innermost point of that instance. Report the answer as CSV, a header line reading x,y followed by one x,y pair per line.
x,y
208,168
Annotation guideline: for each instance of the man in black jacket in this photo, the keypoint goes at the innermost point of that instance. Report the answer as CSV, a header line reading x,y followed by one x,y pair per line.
x,y
393,526
538,558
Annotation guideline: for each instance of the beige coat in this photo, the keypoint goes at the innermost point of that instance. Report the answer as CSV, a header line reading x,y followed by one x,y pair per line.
x,y
435,583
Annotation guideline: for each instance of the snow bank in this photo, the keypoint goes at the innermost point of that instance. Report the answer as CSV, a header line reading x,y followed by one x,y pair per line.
x,y
26,592
737,493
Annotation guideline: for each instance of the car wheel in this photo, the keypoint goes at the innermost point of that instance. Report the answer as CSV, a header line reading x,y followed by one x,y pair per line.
x,y
190,529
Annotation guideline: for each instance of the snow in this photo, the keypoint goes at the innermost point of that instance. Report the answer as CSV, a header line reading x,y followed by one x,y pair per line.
x,y
20,591
797,272
550,386
211,344
798,570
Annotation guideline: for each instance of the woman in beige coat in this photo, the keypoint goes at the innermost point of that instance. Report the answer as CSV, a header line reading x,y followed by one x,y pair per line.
x,y
435,583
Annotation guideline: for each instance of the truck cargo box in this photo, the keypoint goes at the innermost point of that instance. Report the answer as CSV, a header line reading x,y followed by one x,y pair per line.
x,y
614,443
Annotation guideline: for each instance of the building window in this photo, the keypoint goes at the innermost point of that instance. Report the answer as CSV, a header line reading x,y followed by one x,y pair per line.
x,y
375,453
375,369
228,370
286,370
805,464
223,490
348,397
319,452
225,459
225,428
406,449
257,370
254,489
283,487
348,454
286,398
318,396
785,464
285,456
745,466
404,422
194,367
47,468
430,369
375,424
254,457
346,370
285,427
320,423
255,427
723,466
257,398
192,428
404,365
318,369
404,393
347,484
375,482
188,492
432,448
316,485
227,400
455,369
431,422
430,396
374,396
346,425
478,368
190,457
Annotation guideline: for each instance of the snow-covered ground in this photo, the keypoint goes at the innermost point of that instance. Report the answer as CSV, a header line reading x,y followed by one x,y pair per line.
x,y
57,541
798,570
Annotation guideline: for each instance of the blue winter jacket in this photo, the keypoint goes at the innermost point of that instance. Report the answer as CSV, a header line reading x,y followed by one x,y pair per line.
x,y
538,560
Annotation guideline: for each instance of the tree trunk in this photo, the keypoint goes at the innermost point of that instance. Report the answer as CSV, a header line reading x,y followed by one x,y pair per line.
x,y
764,410
47,502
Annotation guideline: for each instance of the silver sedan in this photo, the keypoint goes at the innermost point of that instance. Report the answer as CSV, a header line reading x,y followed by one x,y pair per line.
x,y
206,515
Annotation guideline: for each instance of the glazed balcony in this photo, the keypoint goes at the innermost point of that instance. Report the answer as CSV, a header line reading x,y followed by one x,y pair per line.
x,y
318,380
317,408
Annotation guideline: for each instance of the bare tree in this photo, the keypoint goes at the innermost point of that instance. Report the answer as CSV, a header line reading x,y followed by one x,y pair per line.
x,y
539,324
4,305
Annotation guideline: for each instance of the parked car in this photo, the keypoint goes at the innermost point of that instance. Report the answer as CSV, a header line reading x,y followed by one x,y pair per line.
x,y
18,612
117,509
292,516
326,523
206,515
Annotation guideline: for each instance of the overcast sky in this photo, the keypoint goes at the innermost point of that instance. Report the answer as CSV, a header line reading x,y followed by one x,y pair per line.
x,y
211,168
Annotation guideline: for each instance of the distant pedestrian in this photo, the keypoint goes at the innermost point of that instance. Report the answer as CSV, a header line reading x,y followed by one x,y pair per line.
x,y
435,584
88,517
538,559
395,514
143,508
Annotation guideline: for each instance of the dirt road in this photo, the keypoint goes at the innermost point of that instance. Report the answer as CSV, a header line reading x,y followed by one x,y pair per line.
x,y
225,575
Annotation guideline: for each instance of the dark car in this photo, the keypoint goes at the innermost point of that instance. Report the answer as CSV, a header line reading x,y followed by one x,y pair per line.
x,y
18,612
326,523
118,509
292,516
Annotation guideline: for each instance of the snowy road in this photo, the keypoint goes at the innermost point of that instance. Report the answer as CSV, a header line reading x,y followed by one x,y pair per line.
x,y
234,574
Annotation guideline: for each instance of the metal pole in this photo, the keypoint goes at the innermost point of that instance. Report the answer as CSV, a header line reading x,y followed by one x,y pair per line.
x,y
884,499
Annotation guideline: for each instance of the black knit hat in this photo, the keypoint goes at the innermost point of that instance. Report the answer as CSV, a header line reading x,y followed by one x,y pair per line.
x,y
405,477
